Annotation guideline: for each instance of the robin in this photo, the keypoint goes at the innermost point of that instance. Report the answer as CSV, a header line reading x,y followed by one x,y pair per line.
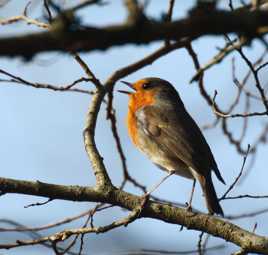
x,y
160,127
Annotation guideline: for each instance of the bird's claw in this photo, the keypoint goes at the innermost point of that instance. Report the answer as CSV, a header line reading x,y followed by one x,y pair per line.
x,y
189,207
144,199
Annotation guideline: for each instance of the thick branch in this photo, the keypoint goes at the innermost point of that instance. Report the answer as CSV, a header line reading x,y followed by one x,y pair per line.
x,y
60,38
73,193
250,242
102,178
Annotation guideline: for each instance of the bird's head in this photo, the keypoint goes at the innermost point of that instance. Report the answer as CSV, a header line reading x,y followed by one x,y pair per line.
x,y
148,91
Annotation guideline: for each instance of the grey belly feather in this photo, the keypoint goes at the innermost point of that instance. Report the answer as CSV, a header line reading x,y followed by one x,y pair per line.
x,y
160,157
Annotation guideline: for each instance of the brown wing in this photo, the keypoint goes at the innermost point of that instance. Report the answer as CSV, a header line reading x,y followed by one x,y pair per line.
x,y
179,134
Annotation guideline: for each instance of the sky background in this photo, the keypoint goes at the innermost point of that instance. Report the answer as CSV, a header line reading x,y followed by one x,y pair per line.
x,y
41,134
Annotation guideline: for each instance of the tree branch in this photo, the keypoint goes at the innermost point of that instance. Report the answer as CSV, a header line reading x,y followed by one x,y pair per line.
x,y
102,179
77,38
250,242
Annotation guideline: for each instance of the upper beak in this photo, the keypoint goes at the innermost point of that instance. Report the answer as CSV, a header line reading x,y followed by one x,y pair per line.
x,y
129,85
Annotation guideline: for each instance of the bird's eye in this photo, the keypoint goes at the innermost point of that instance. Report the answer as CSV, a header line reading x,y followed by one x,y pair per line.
x,y
146,85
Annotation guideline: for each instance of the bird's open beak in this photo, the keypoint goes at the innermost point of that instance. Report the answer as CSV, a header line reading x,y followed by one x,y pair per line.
x,y
125,91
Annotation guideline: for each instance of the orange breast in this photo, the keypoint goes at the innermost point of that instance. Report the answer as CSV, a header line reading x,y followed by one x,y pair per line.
x,y
136,101
132,127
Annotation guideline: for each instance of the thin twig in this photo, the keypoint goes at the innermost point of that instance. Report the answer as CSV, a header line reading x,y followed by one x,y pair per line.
x,y
246,215
87,70
152,251
255,75
169,16
246,196
64,235
39,203
63,88
238,176
29,21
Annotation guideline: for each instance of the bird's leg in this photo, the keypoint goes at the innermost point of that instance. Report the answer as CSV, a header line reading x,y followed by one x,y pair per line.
x,y
189,204
146,196
148,193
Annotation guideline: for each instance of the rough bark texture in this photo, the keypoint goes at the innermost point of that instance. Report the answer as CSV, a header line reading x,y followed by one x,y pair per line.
x,y
64,38
250,242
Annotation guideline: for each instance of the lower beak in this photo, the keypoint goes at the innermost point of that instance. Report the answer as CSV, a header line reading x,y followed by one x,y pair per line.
x,y
129,85
124,92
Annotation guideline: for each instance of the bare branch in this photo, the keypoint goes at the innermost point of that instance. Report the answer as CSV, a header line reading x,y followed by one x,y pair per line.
x,y
59,38
246,196
255,75
29,21
246,215
51,225
151,251
39,203
87,70
237,178
229,48
63,88
63,235
102,179
198,221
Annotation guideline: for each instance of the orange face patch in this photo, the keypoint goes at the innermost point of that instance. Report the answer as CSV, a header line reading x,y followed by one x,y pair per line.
x,y
137,100
141,97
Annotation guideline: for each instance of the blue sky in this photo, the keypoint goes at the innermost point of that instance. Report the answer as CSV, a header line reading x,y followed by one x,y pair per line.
x,y
41,133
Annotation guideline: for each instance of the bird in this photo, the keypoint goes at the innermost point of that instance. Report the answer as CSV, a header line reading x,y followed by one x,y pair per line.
x,y
160,127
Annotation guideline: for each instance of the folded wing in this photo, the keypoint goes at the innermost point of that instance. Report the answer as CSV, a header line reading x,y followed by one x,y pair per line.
x,y
184,139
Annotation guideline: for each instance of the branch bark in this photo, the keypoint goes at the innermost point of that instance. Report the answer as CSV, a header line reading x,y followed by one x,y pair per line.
x,y
78,39
248,241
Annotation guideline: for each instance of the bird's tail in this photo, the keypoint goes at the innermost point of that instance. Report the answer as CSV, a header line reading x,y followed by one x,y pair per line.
x,y
212,202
